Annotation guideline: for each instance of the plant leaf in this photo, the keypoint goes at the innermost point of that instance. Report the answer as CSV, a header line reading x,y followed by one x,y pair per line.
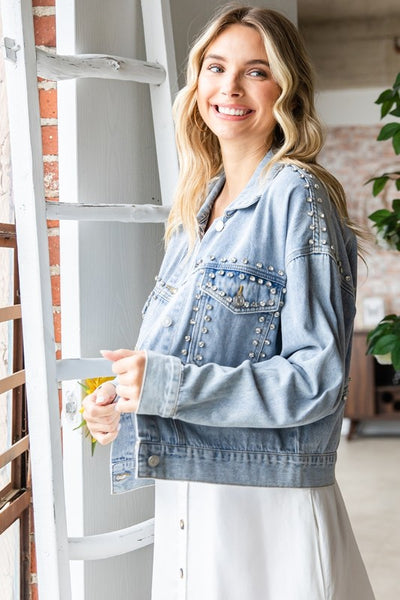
x,y
396,357
395,112
396,206
396,84
385,96
379,184
396,142
386,343
379,215
388,131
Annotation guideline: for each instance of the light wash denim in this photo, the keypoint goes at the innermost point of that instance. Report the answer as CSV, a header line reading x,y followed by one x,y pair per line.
x,y
248,344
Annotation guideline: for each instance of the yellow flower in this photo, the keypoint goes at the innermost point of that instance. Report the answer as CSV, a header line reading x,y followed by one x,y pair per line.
x,y
89,386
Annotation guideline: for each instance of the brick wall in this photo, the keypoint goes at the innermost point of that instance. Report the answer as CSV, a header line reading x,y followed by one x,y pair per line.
x,y
353,155
45,36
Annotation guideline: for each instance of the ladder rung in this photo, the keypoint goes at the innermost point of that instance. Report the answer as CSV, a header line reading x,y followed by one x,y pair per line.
x,y
58,67
12,381
14,451
9,313
83,368
127,213
114,543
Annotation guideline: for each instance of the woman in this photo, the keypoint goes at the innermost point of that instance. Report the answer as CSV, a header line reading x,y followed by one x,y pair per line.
x,y
239,378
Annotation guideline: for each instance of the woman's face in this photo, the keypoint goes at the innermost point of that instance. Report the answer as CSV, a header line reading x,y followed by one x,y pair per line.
x,y
236,92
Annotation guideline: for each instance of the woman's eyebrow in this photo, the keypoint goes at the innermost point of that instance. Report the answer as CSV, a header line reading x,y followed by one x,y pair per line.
x,y
254,61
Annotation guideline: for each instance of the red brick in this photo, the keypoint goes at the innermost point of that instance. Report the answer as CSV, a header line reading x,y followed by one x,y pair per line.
x,y
50,177
48,103
57,326
55,289
43,2
53,224
50,139
54,250
45,30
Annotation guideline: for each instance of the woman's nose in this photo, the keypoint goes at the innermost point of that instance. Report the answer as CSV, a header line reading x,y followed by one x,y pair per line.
x,y
231,86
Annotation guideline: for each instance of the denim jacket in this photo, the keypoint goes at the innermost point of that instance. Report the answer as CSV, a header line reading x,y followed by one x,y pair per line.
x,y
248,342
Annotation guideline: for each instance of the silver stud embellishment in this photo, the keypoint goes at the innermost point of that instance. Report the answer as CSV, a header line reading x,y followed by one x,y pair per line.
x,y
259,265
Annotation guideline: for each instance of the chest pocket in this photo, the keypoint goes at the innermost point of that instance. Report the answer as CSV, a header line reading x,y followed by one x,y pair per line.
x,y
244,292
162,292
243,306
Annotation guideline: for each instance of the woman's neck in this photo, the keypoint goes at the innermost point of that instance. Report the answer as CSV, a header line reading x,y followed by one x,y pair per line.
x,y
239,166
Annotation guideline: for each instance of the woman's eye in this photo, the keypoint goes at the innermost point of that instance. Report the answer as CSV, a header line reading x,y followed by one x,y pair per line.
x,y
215,69
257,73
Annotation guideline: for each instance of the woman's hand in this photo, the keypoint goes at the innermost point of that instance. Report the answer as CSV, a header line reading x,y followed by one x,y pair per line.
x,y
129,365
100,415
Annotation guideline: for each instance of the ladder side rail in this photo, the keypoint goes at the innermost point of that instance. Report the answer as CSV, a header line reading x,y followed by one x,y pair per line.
x,y
160,48
42,393
58,67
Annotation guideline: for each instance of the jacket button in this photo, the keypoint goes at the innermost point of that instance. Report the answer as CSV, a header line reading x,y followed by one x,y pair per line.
x,y
153,460
219,225
167,322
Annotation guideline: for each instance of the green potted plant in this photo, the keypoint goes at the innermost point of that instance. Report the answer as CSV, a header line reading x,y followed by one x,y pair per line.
x,y
384,340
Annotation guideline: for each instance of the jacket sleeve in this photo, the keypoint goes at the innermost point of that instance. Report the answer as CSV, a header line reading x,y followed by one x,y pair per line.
x,y
304,383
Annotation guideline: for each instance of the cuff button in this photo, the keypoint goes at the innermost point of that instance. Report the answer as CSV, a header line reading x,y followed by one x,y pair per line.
x,y
153,460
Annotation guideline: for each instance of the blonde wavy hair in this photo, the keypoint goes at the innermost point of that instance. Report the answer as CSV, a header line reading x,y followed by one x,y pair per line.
x,y
297,137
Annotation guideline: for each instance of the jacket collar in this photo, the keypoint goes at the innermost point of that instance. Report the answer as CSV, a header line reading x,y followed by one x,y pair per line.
x,y
248,196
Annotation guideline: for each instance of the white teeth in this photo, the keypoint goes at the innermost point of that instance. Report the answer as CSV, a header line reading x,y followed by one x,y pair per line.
x,y
237,112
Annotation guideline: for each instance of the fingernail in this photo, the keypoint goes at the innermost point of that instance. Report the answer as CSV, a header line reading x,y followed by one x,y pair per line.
x,y
99,399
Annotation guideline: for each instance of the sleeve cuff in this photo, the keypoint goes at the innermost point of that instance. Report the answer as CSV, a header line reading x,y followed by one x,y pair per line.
x,y
161,384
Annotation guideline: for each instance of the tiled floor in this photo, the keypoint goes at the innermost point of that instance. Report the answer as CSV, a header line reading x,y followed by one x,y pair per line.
x,y
368,473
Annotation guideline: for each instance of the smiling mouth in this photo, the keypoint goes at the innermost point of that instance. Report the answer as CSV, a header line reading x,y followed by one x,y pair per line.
x,y
234,112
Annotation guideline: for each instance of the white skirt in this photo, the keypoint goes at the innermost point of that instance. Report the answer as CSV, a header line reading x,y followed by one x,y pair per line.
x,y
224,542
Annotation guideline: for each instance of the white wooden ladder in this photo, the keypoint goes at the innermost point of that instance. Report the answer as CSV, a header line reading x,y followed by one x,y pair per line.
x,y
53,546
